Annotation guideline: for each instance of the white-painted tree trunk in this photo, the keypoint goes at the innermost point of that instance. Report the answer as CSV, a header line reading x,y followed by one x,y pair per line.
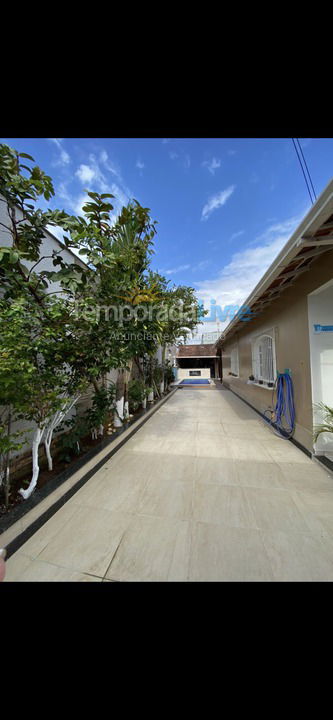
x,y
47,445
151,396
37,439
162,387
119,414
126,410
144,403
35,467
101,430
56,420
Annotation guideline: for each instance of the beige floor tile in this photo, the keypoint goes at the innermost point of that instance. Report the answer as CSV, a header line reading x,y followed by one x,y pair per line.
x,y
259,474
216,470
182,446
248,450
228,554
153,550
222,505
167,498
298,557
305,477
276,510
211,429
16,565
171,467
249,432
119,494
88,542
40,571
48,531
284,451
317,509
213,446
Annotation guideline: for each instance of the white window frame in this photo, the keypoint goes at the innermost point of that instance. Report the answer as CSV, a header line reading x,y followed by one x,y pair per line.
x,y
259,372
234,360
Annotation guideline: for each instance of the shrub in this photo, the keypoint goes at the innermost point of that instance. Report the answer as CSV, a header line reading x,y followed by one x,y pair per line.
x,y
136,394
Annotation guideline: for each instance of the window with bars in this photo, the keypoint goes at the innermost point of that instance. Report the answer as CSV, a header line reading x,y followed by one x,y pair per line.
x,y
263,360
234,363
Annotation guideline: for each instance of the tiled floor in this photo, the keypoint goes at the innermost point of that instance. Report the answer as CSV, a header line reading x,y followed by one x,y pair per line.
x,y
202,492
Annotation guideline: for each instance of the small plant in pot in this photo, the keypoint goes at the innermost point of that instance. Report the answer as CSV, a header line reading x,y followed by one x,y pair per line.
x,y
261,382
251,377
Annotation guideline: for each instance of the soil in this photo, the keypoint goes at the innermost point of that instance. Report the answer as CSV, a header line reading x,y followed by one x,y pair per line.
x,y
45,475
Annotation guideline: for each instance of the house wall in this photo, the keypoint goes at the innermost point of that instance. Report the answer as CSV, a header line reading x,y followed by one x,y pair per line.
x,y
288,317
184,373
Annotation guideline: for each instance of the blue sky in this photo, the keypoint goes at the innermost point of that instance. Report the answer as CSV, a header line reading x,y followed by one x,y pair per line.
x,y
224,206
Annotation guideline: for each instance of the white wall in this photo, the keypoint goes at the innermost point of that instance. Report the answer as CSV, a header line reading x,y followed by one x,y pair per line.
x,y
320,308
184,373
49,244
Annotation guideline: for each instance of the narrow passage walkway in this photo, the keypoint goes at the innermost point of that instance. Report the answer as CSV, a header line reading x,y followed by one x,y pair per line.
x,y
202,492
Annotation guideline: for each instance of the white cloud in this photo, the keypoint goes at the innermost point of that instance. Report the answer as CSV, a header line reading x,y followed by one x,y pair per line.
x,y
140,164
216,201
85,173
176,269
236,235
239,277
232,152
165,140
103,156
64,158
201,265
187,162
173,155
212,164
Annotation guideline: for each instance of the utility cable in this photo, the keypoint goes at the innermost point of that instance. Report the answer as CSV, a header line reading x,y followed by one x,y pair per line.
x,y
307,169
300,162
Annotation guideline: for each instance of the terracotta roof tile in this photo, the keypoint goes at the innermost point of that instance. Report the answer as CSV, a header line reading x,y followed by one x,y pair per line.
x,y
196,350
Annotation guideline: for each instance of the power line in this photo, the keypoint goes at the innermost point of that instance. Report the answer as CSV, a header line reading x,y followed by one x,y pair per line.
x,y
305,178
309,176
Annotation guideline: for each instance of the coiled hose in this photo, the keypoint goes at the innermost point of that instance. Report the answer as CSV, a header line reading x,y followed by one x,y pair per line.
x,y
283,416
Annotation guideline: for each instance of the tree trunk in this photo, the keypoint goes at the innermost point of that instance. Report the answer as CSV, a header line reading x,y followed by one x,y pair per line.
x,y
47,445
7,470
56,420
127,378
137,362
119,412
35,467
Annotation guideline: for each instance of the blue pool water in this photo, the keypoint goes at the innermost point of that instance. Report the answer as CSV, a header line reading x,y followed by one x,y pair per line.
x,y
194,382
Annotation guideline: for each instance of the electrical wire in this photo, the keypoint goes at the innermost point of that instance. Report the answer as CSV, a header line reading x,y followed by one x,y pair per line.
x,y
307,169
305,178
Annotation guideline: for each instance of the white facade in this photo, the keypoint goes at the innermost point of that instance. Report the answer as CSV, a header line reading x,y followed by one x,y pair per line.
x,y
320,308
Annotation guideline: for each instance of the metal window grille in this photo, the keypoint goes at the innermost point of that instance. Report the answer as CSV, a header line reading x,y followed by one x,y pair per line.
x,y
234,365
263,361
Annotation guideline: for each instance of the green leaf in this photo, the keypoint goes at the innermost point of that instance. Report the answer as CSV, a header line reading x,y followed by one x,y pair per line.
x,y
25,155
